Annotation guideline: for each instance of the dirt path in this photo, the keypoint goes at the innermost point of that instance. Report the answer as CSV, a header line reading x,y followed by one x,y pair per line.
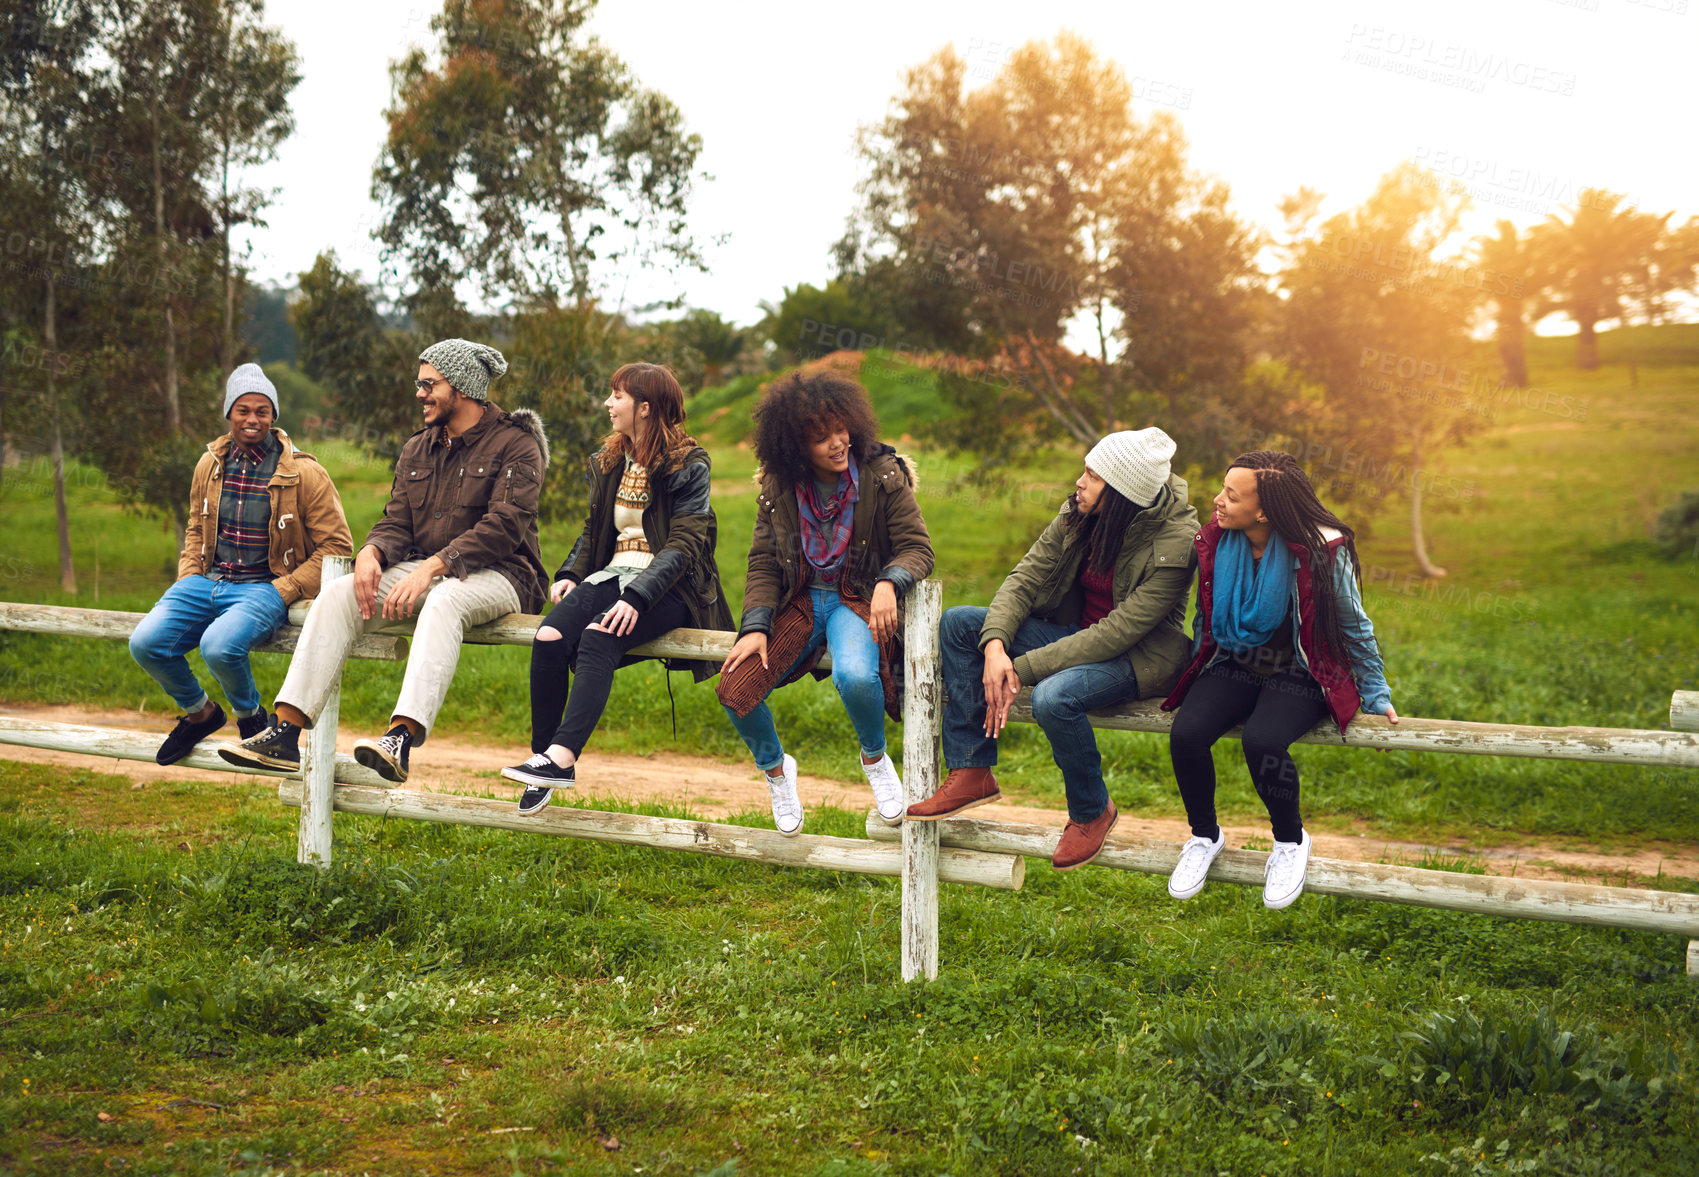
x,y
715,790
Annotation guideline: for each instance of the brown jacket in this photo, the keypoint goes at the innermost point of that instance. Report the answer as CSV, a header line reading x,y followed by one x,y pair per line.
x,y
306,525
888,541
471,500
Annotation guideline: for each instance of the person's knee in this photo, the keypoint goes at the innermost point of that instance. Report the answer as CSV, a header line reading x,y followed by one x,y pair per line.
x,y
222,652
1189,734
145,646
549,633
855,680
1265,752
1052,706
960,626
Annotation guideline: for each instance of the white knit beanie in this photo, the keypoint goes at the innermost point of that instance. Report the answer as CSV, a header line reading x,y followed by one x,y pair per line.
x,y
250,378
1134,462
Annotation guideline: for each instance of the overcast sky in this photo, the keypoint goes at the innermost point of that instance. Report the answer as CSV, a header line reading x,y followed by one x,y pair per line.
x,y
1528,100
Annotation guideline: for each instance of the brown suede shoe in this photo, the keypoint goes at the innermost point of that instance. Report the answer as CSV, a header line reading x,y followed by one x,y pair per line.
x,y
1080,844
962,790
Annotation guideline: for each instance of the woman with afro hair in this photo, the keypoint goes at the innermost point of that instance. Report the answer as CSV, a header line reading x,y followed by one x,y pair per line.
x,y
1281,642
838,543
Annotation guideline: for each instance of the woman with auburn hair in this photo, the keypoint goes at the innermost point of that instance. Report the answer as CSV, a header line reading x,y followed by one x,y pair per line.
x,y
643,565
839,541
1281,641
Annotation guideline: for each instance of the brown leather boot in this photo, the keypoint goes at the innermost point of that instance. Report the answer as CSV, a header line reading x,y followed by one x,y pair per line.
x,y
1080,844
962,790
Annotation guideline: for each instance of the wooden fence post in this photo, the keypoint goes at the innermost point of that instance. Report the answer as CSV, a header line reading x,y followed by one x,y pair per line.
x,y
318,756
922,726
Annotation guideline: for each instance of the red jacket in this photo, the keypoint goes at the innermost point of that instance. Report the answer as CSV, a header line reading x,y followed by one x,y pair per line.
x,y
1338,680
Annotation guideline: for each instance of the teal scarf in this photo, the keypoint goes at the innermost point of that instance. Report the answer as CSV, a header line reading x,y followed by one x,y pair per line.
x,y
1251,597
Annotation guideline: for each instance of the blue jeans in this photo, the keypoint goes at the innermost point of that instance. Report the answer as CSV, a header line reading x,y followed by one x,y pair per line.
x,y
1059,704
226,620
855,672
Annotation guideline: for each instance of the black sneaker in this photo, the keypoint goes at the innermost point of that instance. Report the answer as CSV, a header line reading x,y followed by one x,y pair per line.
x,y
249,726
276,748
187,734
542,777
386,755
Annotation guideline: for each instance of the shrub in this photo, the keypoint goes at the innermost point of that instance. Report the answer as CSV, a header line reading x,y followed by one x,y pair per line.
x,y
1677,530
1472,1059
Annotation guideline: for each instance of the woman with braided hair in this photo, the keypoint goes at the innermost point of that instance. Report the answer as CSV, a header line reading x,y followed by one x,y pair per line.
x,y
1281,640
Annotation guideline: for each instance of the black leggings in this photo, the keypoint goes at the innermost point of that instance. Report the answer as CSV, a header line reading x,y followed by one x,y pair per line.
x,y
1276,710
598,653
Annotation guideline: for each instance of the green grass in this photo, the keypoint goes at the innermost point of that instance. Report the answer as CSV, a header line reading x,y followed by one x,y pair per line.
x,y
443,984
1556,610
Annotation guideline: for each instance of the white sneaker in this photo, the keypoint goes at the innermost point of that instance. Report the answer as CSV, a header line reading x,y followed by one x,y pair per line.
x,y
1192,871
887,789
1284,873
787,805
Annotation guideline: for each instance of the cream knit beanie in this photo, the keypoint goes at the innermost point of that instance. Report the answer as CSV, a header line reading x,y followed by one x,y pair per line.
x,y
1134,462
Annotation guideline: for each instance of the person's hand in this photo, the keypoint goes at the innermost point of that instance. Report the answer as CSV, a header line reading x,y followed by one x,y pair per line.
x,y
1390,714
619,620
368,570
750,645
404,598
559,589
882,614
1002,686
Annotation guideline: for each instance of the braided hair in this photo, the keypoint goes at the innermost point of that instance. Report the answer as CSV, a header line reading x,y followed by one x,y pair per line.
x,y
1290,502
1105,528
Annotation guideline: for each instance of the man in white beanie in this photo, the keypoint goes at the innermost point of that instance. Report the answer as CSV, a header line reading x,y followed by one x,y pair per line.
x,y
262,517
1092,616
457,546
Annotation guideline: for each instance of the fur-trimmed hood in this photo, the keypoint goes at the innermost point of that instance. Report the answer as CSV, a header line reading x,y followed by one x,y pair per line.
x,y
530,420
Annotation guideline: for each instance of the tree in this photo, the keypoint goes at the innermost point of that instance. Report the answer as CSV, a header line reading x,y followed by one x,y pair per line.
x,y
345,346
48,73
1597,255
257,69
1375,323
991,219
521,153
1510,278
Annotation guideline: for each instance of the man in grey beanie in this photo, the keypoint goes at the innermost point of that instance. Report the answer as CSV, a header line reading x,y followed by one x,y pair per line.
x,y
262,517
1092,616
457,545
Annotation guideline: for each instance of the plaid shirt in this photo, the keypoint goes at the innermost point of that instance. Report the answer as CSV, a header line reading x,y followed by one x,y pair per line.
x,y
244,512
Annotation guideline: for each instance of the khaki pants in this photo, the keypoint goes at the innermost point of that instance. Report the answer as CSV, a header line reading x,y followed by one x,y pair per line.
x,y
443,614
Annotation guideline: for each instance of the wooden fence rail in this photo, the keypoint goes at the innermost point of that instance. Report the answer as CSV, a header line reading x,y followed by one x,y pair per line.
x,y
966,850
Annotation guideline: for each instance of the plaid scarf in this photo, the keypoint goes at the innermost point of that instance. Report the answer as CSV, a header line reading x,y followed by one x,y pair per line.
x,y
244,511
826,526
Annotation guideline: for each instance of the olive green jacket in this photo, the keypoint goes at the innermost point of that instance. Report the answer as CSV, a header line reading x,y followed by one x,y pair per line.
x,y
1152,576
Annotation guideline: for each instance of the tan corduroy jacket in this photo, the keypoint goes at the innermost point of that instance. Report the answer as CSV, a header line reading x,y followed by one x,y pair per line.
x,y
306,523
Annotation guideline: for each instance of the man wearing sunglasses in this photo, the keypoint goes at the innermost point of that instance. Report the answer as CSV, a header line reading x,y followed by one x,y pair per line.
x,y
457,546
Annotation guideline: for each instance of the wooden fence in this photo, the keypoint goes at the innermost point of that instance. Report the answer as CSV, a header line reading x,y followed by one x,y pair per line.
x,y
960,850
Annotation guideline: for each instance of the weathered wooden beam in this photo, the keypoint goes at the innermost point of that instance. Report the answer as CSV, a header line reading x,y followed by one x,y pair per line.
x,y
1684,711
1004,872
67,621
1533,899
923,701
117,744
1602,744
318,757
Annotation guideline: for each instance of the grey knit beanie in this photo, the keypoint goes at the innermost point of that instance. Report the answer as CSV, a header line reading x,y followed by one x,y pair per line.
x,y
249,378
1134,462
469,366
